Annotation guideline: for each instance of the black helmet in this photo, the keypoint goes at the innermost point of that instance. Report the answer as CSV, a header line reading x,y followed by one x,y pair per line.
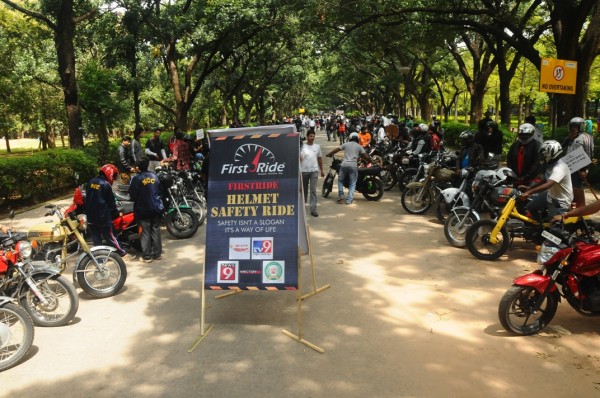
x,y
492,125
466,137
166,180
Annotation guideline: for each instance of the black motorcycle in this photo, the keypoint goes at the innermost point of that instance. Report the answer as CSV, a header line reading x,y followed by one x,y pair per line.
x,y
368,182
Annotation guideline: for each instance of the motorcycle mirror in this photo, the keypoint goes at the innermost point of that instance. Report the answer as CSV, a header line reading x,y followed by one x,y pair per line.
x,y
11,215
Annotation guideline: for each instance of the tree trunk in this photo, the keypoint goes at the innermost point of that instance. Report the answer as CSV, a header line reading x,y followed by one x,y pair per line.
x,y
7,140
65,51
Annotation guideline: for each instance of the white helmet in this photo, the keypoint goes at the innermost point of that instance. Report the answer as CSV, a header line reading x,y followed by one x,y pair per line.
x,y
550,150
526,129
423,127
579,122
505,172
353,137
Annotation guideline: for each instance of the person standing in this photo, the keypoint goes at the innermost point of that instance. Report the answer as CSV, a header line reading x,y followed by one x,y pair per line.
x,y
523,155
538,134
125,163
352,151
364,137
136,146
578,138
147,207
311,164
101,207
155,150
181,158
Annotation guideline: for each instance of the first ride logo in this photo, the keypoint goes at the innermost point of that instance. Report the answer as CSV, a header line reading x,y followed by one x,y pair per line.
x,y
254,159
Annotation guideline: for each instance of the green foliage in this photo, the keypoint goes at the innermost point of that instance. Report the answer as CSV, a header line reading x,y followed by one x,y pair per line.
x,y
30,179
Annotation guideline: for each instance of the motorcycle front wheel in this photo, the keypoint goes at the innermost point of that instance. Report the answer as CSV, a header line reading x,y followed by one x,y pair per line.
x,y
327,185
443,209
106,280
62,301
372,188
411,202
478,240
455,233
516,312
182,226
198,208
16,335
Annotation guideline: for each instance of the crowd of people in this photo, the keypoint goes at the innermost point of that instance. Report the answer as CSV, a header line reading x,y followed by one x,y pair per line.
x,y
541,172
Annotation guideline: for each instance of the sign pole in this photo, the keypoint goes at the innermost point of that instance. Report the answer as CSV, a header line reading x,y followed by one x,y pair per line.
x,y
203,332
312,268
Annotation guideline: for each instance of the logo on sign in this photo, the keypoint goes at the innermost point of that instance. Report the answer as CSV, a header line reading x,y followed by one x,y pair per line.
x,y
262,248
559,73
239,248
228,271
273,271
253,159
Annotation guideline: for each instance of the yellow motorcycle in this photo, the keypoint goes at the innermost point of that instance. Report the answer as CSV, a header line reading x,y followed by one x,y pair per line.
x,y
489,239
99,270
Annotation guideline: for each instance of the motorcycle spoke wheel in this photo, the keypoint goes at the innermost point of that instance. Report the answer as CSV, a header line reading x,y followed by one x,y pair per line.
x,y
516,312
388,177
413,204
16,335
372,188
408,176
327,186
478,241
61,304
456,226
182,226
198,209
105,281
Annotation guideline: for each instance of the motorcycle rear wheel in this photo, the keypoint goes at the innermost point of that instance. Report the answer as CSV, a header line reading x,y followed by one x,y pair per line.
x,y
105,281
184,226
327,185
478,240
16,335
412,205
372,188
61,296
388,177
516,315
454,234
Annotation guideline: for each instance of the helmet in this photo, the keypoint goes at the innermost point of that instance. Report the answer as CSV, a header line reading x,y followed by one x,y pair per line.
x,y
423,127
505,172
550,150
579,122
525,133
165,178
110,172
353,137
492,125
466,137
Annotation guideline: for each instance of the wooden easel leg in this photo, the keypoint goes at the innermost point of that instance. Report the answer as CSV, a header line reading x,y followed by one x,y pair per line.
x,y
203,332
299,337
312,268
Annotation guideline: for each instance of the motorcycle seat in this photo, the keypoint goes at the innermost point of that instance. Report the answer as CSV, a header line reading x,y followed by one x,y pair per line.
x,y
122,196
126,207
374,170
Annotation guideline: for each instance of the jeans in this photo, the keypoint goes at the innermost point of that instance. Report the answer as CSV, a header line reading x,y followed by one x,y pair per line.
x,y
106,231
352,173
150,236
541,203
310,178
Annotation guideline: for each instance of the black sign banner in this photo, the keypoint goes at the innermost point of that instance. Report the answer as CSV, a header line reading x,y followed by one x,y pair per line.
x,y
254,208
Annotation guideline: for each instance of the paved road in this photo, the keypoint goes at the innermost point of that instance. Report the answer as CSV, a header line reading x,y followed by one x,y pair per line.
x,y
406,316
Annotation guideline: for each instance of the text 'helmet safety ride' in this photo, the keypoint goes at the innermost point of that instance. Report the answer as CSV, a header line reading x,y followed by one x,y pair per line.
x,y
110,172
550,150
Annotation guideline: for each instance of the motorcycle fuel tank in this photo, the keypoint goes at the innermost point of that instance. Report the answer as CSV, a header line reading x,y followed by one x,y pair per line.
x,y
51,232
587,262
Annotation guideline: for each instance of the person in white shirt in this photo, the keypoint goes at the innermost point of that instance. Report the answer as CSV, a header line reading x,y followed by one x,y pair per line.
x,y
557,183
311,163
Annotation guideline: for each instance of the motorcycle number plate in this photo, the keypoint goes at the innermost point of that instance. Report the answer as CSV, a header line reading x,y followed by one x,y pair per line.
x,y
552,238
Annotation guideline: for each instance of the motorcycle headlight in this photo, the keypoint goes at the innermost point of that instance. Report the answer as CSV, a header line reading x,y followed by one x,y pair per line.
x,y
24,248
546,252
82,218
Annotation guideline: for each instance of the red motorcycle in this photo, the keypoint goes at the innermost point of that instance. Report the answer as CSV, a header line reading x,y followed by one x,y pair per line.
x,y
570,268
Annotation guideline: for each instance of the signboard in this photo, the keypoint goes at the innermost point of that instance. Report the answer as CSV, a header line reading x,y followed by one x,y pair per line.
x,y
558,76
577,159
200,134
254,209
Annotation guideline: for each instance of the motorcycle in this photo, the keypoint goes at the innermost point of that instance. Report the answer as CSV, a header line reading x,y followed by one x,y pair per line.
x,y
490,239
462,217
569,268
99,270
368,182
50,299
16,333
418,197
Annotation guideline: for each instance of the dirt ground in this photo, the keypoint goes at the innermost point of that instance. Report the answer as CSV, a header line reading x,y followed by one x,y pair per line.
x,y
406,316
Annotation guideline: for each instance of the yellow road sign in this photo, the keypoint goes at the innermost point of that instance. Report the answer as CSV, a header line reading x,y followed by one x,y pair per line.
x,y
558,76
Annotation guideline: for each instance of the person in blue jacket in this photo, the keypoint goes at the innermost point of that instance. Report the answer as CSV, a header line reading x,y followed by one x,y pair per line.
x,y
147,207
101,208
